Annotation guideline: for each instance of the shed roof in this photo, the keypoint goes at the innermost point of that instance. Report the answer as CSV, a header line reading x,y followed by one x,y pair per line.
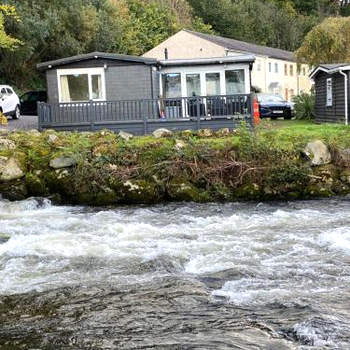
x,y
330,68
232,44
207,61
95,55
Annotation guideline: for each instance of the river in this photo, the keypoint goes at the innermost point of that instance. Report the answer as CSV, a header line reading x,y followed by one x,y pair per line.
x,y
176,276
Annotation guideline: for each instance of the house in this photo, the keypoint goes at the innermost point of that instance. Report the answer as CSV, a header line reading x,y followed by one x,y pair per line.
x,y
274,71
332,92
98,90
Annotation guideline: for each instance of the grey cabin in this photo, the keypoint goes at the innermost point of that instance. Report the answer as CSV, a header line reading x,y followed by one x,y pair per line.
x,y
137,94
332,93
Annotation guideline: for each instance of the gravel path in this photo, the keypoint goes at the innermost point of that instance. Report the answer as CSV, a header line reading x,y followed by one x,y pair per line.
x,y
26,122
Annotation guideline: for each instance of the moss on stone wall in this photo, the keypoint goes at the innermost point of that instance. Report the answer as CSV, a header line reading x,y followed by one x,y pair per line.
x,y
104,169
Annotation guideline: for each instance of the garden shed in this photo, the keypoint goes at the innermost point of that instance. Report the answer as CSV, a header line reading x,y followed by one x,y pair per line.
x,y
332,93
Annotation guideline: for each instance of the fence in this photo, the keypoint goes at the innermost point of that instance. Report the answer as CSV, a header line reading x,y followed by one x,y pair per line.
x,y
145,116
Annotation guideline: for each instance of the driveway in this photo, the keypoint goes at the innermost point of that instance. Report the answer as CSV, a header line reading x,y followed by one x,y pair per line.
x,y
26,122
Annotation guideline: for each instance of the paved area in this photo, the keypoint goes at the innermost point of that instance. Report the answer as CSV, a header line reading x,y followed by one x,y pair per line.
x,y
26,122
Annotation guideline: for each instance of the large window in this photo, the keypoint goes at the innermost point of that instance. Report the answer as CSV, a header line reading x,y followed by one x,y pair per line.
x,y
235,82
172,85
193,82
81,85
213,83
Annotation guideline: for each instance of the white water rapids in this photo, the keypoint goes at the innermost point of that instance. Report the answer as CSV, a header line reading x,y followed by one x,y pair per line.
x,y
255,257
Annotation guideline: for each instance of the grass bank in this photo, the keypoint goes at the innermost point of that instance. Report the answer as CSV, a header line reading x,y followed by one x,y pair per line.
x,y
104,169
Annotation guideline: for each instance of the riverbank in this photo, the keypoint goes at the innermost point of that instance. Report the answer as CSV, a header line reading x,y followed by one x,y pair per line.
x,y
105,169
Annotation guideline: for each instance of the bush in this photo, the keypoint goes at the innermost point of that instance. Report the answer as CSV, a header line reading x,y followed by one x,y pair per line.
x,y
304,106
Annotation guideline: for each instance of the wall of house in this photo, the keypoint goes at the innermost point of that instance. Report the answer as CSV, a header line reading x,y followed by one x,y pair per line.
x,y
186,45
287,81
336,112
124,80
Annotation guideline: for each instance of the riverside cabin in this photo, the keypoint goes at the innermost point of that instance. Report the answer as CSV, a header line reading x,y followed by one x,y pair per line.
x,y
332,93
139,95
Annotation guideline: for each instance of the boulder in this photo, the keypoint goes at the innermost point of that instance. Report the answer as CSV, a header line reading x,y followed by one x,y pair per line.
x,y
187,133
205,133
34,132
6,144
52,138
223,132
343,157
162,132
179,145
318,153
10,169
62,162
125,135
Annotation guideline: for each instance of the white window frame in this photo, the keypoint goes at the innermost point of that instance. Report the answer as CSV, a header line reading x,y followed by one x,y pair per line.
x,y
87,71
329,92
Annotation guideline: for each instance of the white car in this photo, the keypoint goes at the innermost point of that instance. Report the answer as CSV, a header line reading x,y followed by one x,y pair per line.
x,y
9,102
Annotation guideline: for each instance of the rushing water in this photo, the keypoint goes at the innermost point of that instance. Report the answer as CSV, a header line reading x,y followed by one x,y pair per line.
x,y
178,276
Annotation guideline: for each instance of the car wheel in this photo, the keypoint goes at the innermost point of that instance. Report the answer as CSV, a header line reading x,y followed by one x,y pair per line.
x,y
17,114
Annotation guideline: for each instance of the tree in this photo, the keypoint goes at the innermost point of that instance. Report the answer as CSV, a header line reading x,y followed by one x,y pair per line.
x,y
6,41
328,42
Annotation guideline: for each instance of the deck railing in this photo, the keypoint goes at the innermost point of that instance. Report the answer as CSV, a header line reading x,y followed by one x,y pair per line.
x,y
144,116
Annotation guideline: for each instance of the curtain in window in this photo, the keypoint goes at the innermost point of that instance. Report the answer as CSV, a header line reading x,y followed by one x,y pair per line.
x,y
235,82
96,82
213,84
193,82
65,94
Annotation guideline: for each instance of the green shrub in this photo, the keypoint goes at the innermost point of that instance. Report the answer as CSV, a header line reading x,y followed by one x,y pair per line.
x,y
304,106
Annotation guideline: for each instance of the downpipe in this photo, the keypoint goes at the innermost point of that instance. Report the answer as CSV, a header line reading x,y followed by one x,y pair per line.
x,y
346,97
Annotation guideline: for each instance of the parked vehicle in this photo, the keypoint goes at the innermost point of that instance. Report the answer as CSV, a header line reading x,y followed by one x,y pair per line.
x,y
274,106
29,101
9,102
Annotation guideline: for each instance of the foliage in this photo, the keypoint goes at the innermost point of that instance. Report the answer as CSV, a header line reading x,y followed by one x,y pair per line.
x,y
328,42
6,41
304,107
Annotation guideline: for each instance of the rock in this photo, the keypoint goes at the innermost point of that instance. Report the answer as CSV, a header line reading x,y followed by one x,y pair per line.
x,y
205,133
318,153
125,135
34,132
62,162
223,132
10,169
184,191
343,157
6,144
4,132
162,132
179,145
52,138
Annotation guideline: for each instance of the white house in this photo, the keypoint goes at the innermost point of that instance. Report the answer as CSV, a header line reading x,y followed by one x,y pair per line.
x,y
274,71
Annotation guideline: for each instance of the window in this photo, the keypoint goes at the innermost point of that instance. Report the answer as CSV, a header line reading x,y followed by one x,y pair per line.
x,y
235,83
259,66
193,82
213,83
172,85
276,67
270,67
285,69
81,85
291,70
329,87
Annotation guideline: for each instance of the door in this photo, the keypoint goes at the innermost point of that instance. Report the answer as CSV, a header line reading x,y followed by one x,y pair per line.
x,y
5,101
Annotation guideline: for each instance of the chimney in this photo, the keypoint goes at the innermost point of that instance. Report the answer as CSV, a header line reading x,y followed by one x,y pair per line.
x,y
166,55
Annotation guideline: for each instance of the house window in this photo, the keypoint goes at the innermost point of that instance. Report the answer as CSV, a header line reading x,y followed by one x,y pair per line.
x,y
285,69
291,70
213,83
235,83
81,85
172,85
259,66
270,67
276,67
329,87
193,82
